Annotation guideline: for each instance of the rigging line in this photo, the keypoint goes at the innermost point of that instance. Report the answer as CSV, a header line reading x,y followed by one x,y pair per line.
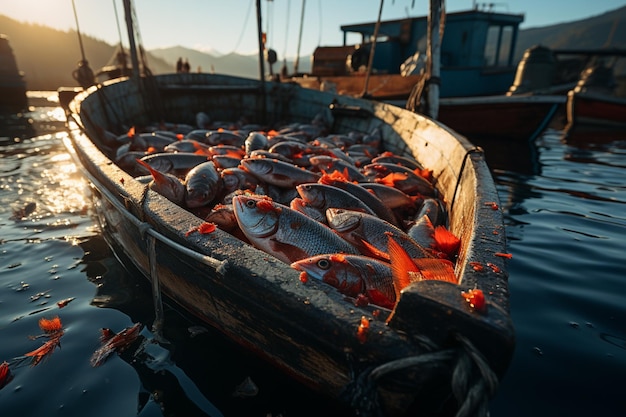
x,y
287,28
320,25
243,28
80,39
295,66
119,31
269,11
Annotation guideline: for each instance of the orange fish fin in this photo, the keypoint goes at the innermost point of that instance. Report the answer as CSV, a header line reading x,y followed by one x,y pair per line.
x,y
436,269
446,241
401,266
374,251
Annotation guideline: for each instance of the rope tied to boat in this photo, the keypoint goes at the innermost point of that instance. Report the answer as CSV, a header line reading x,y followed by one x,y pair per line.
x,y
471,389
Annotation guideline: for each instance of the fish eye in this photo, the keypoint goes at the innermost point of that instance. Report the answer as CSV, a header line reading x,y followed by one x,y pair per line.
x,y
323,264
250,203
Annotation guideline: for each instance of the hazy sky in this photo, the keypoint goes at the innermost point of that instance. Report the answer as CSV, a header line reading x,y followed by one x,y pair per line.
x,y
230,25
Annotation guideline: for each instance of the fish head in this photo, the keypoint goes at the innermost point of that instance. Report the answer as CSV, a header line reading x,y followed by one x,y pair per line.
x,y
343,220
198,197
333,269
313,194
257,216
257,166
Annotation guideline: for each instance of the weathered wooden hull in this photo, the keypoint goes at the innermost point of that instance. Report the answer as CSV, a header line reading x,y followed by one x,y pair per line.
x,y
595,110
310,330
500,117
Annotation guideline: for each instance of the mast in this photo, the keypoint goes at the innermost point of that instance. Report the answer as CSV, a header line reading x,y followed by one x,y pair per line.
x,y
261,56
372,51
295,65
131,40
435,33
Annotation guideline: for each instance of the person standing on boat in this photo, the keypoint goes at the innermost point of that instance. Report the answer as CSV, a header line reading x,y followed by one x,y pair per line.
x,y
179,65
186,66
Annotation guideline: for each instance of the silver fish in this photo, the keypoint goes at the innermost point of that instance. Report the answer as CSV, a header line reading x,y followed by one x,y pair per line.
x,y
285,233
203,185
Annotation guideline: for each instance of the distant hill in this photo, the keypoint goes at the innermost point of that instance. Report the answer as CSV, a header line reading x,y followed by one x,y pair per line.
x,y
233,64
605,30
48,56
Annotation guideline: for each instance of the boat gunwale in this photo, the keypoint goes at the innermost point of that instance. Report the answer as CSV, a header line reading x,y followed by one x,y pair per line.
x,y
321,295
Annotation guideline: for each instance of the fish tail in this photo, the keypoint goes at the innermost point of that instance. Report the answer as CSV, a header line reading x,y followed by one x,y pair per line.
x,y
401,266
436,269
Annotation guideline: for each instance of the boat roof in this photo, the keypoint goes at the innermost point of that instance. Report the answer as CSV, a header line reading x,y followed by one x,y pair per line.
x,y
394,27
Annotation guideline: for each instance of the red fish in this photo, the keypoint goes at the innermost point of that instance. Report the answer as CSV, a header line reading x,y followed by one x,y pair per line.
x,y
352,275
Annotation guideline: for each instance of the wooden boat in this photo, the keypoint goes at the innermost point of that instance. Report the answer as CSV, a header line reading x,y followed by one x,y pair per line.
x,y
518,117
595,109
12,85
432,346
599,99
471,64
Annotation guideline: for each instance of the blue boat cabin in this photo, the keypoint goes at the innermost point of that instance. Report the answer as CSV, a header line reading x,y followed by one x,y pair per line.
x,y
477,49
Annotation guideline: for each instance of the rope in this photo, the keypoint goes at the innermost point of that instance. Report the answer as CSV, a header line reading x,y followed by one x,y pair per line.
x,y
473,382
474,391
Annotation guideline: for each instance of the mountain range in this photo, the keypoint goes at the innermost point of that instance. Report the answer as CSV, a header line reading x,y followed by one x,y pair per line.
x,y
49,56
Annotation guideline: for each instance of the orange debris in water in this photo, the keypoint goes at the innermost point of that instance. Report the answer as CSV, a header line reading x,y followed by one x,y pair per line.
x,y
304,278
363,329
503,255
116,343
46,349
50,326
476,299
5,374
65,302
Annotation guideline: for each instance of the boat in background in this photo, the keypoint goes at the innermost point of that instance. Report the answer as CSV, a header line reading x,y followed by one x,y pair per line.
x,y
477,72
12,84
598,102
519,117
477,55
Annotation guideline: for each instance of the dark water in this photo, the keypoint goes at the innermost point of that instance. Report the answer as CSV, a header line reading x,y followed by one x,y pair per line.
x,y
564,205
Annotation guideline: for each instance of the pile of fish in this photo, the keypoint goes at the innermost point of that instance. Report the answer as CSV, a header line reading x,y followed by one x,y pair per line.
x,y
334,206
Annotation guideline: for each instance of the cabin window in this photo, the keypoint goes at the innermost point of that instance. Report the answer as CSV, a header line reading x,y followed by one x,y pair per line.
x,y
499,45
